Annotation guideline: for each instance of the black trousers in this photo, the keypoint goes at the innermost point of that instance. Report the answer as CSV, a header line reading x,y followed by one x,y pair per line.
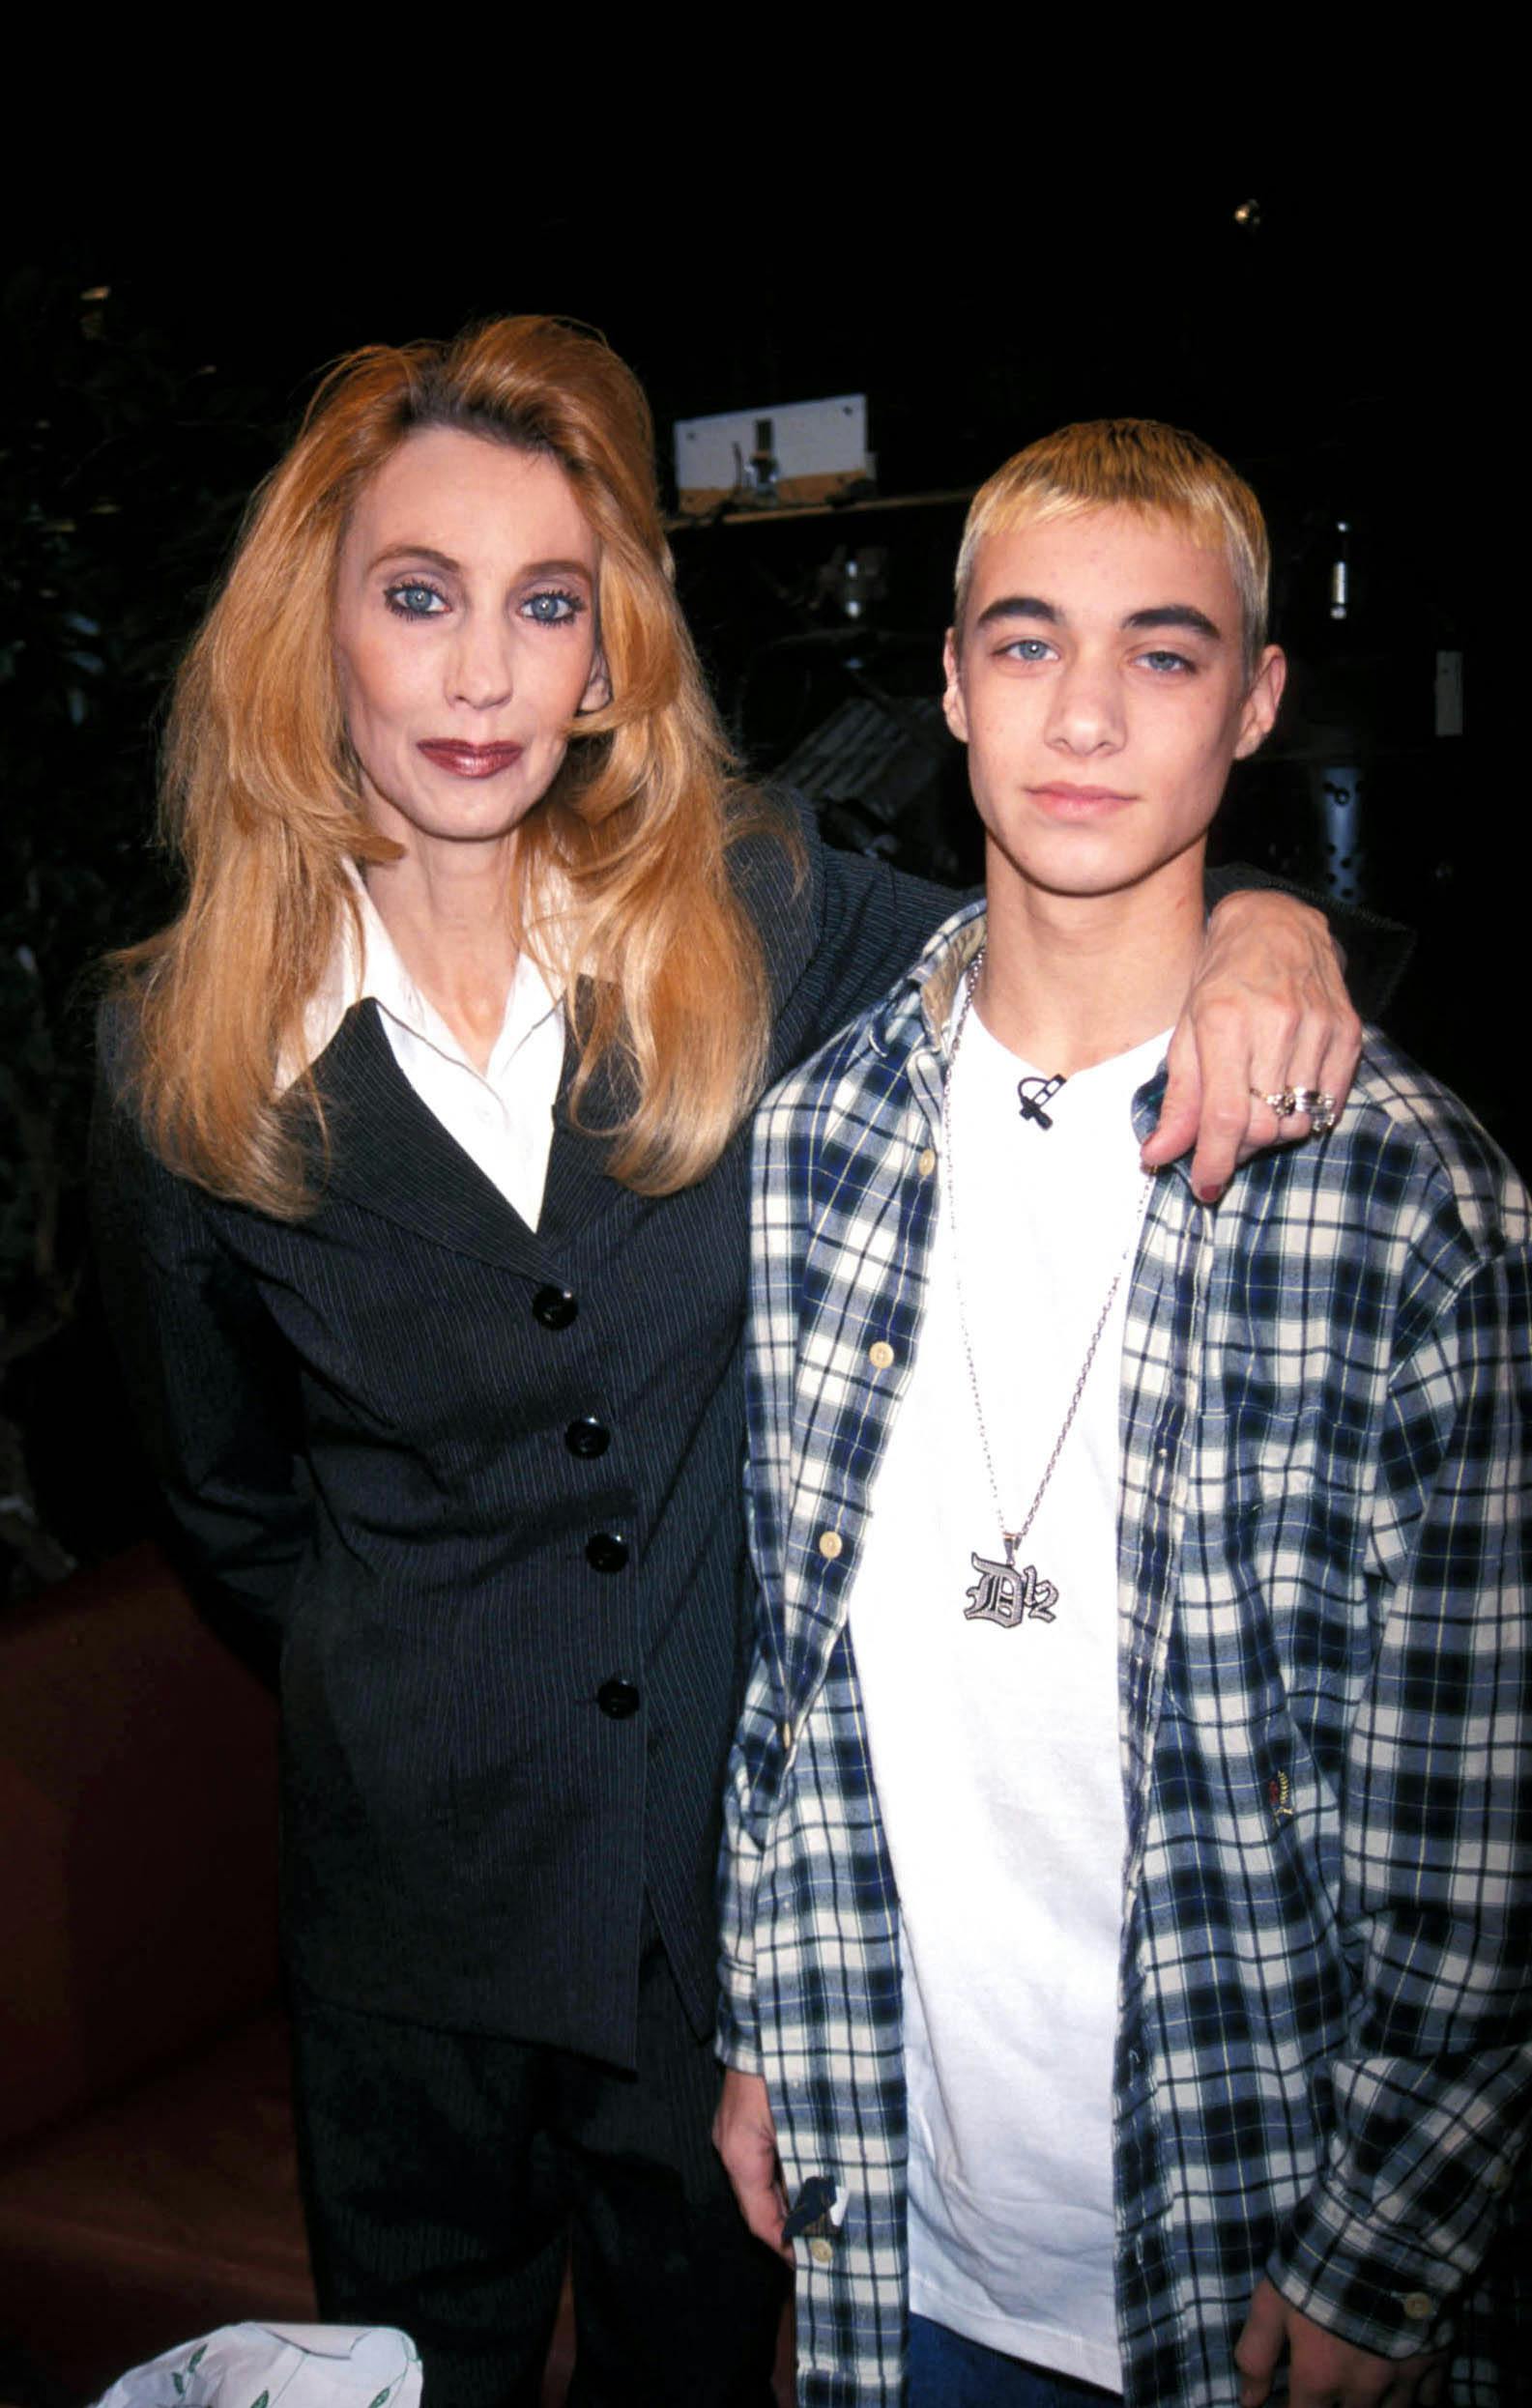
x,y
446,2174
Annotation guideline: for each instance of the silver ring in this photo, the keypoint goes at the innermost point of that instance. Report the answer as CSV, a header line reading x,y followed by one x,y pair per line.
x,y
1288,1102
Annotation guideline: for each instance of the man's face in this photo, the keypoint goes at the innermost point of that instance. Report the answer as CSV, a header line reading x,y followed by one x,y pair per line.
x,y
1102,692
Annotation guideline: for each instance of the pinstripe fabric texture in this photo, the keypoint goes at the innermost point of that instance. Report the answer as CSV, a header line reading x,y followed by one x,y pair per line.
x,y
1324,2064
363,1422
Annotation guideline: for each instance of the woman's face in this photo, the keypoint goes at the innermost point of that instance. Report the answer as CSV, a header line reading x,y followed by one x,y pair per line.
x,y
465,636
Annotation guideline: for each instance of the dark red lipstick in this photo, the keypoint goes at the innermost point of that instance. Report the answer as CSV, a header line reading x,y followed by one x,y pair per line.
x,y
471,761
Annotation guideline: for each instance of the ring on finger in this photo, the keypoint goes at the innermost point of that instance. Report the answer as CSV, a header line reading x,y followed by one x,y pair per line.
x,y
1319,1106
1288,1102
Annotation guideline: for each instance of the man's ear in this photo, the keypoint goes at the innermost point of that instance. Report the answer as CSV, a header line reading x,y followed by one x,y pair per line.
x,y
952,703
1258,710
598,690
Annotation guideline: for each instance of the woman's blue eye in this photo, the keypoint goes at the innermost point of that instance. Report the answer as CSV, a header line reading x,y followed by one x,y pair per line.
x,y
414,600
552,608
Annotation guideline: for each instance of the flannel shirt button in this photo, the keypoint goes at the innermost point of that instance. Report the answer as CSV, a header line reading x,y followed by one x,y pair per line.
x,y
784,1733
821,2252
927,1162
831,1543
1418,2305
880,1354
1498,2177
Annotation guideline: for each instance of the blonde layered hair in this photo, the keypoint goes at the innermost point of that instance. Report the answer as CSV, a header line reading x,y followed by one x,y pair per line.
x,y
1133,464
261,794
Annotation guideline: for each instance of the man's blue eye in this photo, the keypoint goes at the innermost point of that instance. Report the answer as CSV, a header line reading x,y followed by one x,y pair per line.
x,y
1164,661
1029,648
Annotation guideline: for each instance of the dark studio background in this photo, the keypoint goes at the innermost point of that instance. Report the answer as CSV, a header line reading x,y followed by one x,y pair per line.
x,y
150,389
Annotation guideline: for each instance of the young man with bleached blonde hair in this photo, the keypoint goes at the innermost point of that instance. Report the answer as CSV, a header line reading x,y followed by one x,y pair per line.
x,y
1124,1990
1133,464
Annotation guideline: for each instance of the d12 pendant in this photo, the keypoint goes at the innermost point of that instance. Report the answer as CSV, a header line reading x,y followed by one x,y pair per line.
x,y
1005,1595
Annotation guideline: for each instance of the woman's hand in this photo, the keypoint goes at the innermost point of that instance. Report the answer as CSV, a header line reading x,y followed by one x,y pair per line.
x,y
745,2138
1267,1011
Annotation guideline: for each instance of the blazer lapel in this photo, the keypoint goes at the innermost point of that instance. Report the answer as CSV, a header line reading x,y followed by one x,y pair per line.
x,y
389,1153
578,1188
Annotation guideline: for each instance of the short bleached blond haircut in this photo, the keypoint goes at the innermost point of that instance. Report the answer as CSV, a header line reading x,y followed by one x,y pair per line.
x,y
1133,464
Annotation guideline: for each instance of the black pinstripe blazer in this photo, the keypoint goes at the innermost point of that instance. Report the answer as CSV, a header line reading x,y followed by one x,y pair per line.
x,y
486,1480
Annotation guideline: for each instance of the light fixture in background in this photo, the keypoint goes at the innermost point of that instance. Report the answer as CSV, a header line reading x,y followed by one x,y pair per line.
x,y
1247,213
1340,572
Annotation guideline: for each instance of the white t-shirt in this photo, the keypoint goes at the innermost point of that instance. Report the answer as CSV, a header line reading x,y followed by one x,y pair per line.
x,y
501,1116
995,1742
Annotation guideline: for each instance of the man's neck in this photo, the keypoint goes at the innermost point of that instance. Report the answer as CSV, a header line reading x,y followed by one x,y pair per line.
x,y
1073,980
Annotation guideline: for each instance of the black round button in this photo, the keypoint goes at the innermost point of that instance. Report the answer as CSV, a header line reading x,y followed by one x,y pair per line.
x,y
606,1552
554,1308
586,1436
618,1698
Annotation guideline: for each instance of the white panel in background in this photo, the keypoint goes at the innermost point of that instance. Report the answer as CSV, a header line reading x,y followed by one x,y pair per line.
x,y
824,441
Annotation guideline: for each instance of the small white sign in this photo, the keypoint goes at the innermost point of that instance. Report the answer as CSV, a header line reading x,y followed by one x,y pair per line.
x,y
746,450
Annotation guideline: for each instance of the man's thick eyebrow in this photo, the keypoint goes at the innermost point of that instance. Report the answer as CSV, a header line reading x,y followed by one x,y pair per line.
x,y
1175,614
1183,614
1020,606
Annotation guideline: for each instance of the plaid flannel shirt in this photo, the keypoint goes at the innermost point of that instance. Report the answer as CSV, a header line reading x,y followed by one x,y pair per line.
x,y
1322,2068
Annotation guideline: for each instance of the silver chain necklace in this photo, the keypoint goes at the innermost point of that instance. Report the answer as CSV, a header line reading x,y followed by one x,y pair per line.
x,y
1005,1593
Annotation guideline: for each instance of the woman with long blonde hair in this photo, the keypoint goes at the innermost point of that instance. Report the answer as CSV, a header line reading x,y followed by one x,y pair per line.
x,y
420,1180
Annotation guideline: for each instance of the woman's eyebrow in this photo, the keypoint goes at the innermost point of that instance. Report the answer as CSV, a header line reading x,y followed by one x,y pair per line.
x,y
413,551
444,560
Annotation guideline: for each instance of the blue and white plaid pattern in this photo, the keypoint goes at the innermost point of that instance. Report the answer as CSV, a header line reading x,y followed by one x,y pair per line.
x,y
1324,2061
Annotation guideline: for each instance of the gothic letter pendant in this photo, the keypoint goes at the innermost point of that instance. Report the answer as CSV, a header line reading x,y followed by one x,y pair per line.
x,y
1005,1595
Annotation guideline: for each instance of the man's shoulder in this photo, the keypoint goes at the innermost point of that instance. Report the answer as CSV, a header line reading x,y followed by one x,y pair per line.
x,y
866,1059
1411,1138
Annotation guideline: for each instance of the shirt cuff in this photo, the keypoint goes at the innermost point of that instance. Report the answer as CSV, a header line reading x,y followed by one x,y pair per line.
x,y
1377,2293
738,2025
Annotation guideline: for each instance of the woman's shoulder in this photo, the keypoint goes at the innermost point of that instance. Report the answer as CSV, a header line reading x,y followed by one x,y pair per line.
x,y
119,1042
775,852
836,928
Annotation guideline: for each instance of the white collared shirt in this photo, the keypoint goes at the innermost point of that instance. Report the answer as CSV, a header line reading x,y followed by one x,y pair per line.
x,y
501,1116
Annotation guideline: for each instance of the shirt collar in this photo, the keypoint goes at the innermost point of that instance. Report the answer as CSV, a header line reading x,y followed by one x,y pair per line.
x,y
927,993
364,966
